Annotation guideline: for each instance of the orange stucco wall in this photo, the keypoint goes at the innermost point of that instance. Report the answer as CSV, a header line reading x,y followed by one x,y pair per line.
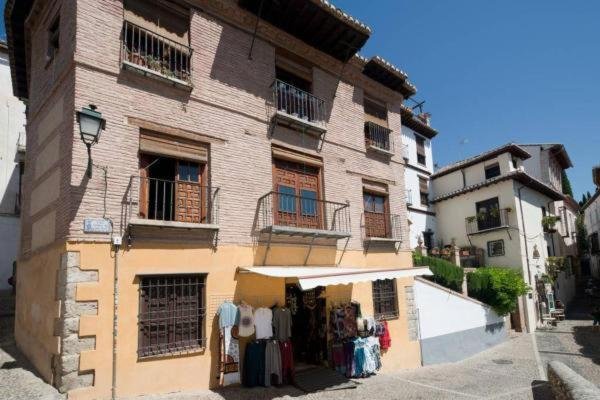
x,y
188,372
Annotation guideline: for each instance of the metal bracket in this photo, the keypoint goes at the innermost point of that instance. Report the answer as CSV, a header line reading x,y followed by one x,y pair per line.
x,y
343,251
310,246
268,247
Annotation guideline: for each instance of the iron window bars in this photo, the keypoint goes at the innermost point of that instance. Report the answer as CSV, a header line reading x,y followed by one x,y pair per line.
x,y
171,314
385,299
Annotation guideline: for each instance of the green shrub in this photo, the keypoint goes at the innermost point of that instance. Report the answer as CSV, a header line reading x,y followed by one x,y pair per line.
x,y
500,287
444,272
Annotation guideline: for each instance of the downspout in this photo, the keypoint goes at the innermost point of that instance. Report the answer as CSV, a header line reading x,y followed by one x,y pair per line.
x,y
526,247
115,321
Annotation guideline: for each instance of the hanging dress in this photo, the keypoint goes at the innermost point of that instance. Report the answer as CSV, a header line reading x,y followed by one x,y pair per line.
x,y
229,366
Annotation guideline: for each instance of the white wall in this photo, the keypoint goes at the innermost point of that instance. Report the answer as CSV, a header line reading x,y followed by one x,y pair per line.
x,y
12,129
442,312
420,221
592,224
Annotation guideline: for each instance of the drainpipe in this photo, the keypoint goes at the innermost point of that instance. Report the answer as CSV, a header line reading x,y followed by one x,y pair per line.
x,y
526,248
115,321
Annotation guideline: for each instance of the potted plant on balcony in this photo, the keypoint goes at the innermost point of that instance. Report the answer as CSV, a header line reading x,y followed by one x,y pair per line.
x,y
471,219
554,265
549,222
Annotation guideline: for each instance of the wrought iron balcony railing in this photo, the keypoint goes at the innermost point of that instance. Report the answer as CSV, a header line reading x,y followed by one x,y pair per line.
x,y
378,137
298,104
160,200
303,215
482,222
150,52
382,226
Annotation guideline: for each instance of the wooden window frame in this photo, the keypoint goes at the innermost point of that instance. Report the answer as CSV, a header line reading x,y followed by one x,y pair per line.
x,y
375,117
172,314
423,195
421,154
490,245
381,295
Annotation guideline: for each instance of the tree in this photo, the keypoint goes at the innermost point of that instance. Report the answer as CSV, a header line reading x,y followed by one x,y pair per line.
x,y
566,184
582,235
500,287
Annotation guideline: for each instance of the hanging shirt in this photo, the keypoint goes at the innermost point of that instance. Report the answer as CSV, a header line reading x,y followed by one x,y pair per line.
x,y
228,314
263,322
246,323
282,324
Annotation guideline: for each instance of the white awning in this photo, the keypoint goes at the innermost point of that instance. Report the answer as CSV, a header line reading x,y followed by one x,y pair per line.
x,y
311,277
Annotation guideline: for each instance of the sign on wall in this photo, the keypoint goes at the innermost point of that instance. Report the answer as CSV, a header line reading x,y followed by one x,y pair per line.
x,y
97,225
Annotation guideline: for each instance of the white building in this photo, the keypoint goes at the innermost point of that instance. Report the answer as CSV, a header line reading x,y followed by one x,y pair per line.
x,y
547,163
418,155
591,218
12,146
491,208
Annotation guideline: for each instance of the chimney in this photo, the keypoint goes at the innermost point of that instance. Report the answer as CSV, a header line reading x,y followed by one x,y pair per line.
x,y
425,117
596,175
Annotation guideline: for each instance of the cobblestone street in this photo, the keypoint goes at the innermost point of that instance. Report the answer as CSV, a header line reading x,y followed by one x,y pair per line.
x,y
574,341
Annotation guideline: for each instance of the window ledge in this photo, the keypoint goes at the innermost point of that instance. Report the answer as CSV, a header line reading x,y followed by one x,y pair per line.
x,y
156,75
292,120
172,224
381,239
380,150
193,351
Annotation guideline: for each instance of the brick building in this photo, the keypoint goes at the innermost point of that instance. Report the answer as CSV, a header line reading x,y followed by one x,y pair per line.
x,y
235,140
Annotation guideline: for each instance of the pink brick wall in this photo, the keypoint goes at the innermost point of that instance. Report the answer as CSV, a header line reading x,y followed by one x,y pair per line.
x,y
231,100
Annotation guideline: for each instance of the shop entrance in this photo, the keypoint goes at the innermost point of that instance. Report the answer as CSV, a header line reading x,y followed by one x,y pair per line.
x,y
309,324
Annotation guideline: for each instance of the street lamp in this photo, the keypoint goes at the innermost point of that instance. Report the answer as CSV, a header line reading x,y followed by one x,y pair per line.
x,y
91,124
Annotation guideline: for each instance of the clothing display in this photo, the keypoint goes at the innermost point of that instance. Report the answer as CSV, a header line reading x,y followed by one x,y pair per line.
x,y
254,364
230,358
246,320
272,363
287,362
385,340
228,314
282,324
263,322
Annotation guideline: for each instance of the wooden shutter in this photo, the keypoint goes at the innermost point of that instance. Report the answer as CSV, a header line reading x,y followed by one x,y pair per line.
x,y
423,187
165,145
420,145
375,111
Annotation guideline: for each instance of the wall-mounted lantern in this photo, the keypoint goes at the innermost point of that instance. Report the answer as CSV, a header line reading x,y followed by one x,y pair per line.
x,y
91,125
536,252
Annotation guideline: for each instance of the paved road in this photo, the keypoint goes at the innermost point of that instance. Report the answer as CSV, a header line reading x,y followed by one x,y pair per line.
x,y
574,342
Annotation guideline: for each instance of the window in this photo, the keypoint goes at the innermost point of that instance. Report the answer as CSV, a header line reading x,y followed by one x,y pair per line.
x,y
375,109
424,191
428,239
492,171
385,299
594,243
488,214
495,248
188,171
421,159
308,202
515,163
374,203
287,199
377,220
171,314
53,39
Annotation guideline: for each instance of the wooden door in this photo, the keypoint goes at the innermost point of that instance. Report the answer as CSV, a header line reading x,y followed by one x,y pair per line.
x,y
296,202
189,195
377,222
144,185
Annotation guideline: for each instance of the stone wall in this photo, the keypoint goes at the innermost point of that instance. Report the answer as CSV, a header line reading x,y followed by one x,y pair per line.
x,y
67,363
568,385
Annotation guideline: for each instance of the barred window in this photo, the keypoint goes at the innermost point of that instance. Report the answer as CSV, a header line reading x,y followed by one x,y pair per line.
x,y
385,299
171,314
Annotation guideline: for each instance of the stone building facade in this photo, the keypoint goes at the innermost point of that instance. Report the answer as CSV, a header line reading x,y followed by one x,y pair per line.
x,y
214,112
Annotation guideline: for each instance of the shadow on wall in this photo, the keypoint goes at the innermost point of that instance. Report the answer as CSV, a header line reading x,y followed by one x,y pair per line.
x,y
9,199
588,337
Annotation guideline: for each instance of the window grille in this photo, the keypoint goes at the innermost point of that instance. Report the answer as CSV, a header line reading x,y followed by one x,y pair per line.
x,y
385,299
171,314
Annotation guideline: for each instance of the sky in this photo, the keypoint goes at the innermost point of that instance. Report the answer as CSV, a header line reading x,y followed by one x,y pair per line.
x,y
492,72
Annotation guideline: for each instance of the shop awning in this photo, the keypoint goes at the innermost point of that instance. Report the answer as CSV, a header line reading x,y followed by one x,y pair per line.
x,y
311,277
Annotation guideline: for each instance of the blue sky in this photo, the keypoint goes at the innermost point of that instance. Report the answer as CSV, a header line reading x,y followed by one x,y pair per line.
x,y
2,30
496,71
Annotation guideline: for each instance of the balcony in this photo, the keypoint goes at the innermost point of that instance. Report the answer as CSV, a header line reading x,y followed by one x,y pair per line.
x,y
156,56
154,202
293,215
382,227
405,152
298,109
484,222
378,138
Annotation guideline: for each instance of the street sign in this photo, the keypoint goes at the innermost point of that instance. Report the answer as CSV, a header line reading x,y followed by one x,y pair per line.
x,y
97,225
